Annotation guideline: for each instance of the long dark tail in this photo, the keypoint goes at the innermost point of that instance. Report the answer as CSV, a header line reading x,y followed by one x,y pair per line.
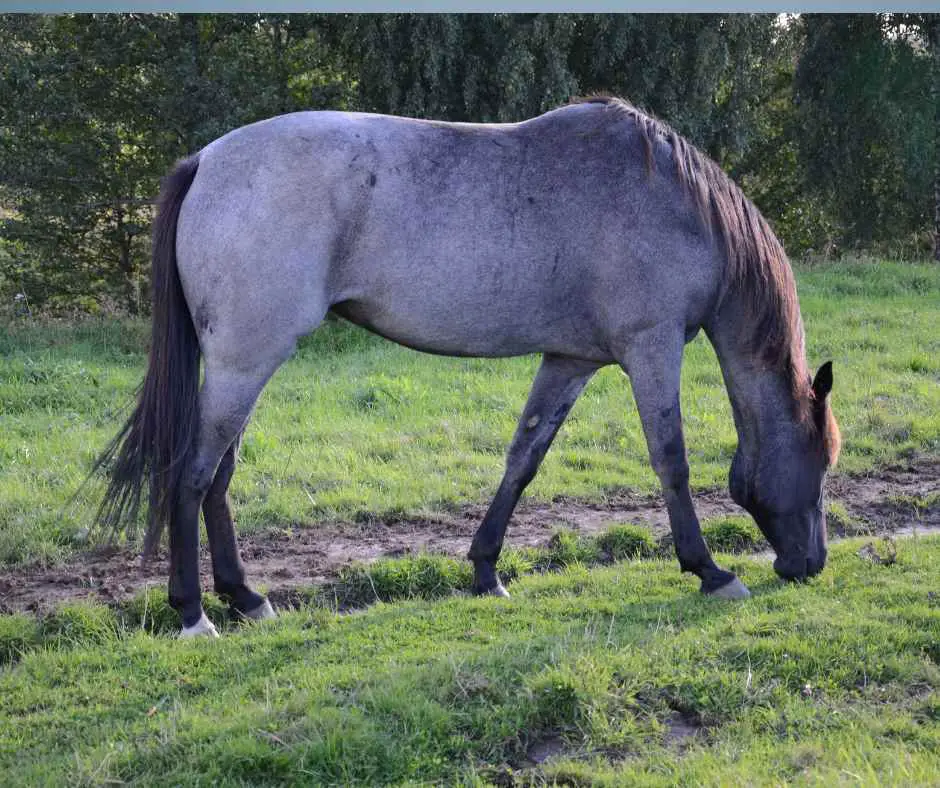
x,y
155,442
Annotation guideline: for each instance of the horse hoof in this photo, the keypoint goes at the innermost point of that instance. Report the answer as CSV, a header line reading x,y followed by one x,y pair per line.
x,y
203,627
497,590
260,613
734,589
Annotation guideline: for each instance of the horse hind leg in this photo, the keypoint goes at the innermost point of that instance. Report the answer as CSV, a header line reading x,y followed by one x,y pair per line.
x,y
556,387
225,403
227,569
653,362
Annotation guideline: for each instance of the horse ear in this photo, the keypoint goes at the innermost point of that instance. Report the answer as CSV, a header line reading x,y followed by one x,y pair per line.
x,y
822,383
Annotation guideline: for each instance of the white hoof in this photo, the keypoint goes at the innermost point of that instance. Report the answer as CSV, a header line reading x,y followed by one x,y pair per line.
x,y
733,590
498,590
202,627
260,613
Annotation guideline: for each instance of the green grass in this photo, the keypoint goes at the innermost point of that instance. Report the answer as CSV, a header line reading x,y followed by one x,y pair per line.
x,y
831,682
354,427
732,534
621,542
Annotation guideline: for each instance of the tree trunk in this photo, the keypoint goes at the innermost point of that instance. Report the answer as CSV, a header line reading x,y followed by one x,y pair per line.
x,y
193,85
281,37
934,38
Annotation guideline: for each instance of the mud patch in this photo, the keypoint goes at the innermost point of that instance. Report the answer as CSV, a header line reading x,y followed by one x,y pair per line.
x,y
898,499
681,731
543,750
892,499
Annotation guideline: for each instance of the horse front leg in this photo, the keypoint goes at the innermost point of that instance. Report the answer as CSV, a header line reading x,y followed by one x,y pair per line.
x,y
556,387
653,361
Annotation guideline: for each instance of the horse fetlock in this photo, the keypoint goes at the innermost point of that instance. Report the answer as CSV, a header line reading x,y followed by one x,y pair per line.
x,y
238,595
202,627
713,578
486,581
702,565
498,590
189,609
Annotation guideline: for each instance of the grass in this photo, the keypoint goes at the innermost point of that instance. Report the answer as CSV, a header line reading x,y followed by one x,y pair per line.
x,y
623,673
732,534
354,427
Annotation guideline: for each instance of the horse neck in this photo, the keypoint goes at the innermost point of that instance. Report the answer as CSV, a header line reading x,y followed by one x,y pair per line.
x,y
761,397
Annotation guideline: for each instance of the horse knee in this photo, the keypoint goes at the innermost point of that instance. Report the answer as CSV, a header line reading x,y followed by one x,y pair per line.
x,y
198,480
672,471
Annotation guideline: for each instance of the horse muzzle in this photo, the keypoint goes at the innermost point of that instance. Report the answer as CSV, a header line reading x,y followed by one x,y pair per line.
x,y
800,567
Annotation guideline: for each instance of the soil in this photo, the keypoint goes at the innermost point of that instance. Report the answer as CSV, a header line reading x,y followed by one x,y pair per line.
x,y
286,559
681,731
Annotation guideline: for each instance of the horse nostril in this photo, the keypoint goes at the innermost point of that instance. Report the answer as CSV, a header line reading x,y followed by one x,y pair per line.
x,y
792,568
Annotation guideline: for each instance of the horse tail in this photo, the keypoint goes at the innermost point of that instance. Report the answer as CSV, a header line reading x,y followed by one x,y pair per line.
x,y
155,442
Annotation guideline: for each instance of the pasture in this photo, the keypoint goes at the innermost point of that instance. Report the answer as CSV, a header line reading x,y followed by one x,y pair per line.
x,y
619,675
597,670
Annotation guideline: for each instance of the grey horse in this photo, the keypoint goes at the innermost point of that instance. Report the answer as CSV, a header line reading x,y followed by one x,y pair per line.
x,y
593,235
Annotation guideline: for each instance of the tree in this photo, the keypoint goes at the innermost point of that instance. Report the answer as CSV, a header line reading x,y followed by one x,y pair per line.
x,y
931,24
66,153
829,121
95,108
867,124
703,73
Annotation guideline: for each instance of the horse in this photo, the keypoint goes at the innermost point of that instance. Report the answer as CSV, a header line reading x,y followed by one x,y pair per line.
x,y
593,234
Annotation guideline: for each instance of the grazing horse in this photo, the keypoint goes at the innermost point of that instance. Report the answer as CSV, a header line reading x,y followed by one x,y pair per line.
x,y
593,234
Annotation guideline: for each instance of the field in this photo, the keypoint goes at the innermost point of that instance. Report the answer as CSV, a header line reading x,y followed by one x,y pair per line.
x,y
619,675
605,666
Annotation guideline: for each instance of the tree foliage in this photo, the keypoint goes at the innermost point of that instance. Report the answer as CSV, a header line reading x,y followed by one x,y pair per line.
x,y
704,73
93,111
867,123
828,121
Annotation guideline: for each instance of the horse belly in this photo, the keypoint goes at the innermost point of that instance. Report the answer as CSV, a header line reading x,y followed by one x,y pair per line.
x,y
462,305
469,264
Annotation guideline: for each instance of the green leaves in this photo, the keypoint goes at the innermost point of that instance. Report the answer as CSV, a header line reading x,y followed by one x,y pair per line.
x,y
868,128
94,109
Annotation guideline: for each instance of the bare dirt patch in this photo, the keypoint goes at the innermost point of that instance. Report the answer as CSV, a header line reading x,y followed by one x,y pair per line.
x,y
682,730
543,750
902,498
898,498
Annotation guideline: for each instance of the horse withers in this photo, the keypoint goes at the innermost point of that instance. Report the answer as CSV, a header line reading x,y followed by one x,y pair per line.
x,y
592,234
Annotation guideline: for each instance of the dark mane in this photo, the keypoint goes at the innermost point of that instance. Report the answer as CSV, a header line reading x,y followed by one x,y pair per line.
x,y
758,272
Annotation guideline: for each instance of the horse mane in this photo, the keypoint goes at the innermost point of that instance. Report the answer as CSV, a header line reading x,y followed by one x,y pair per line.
x,y
758,272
